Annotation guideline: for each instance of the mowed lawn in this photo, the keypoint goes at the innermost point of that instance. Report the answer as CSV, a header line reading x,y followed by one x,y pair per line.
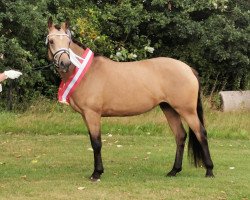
x,y
47,155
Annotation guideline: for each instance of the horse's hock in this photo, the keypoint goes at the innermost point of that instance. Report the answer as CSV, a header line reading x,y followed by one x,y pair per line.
x,y
235,100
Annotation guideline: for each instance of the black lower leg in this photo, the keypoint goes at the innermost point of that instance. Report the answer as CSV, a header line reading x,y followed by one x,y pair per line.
x,y
98,166
207,160
178,161
178,157
206,156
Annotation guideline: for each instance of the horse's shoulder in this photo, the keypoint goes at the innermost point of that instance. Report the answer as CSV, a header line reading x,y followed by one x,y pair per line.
x,y
102,64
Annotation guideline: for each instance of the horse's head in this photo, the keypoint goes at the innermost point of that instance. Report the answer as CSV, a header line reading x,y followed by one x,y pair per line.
x,y
58,41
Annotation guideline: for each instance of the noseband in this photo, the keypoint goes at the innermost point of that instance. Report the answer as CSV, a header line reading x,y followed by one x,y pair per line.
x,y
59,52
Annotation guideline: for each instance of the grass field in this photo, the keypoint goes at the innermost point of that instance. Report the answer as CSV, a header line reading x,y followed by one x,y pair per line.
x,y
45,153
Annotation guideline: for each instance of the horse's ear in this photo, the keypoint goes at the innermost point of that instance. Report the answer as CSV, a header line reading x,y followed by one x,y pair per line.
x,y
65,25
50,22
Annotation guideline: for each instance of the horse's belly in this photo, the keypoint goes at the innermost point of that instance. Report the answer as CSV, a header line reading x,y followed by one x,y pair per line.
x,y
113,112
128,106
130,94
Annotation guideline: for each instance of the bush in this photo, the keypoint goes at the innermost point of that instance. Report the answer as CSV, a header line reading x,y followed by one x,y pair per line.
x,y
211,36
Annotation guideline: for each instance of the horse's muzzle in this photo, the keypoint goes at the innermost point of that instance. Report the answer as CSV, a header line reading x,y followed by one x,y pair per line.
x,y
64,65
62,59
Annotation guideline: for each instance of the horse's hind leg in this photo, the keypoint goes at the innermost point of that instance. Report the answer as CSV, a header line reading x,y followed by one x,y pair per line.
x,y
199,146
93,122
176,126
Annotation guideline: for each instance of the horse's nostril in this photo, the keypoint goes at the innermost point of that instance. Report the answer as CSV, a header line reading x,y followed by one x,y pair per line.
x,y
65,65
62,63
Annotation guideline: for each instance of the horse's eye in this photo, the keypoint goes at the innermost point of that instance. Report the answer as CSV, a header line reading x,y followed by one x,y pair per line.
x,y
51,41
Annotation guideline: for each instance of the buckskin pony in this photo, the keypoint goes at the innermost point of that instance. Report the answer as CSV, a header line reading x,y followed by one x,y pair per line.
x,y
112,88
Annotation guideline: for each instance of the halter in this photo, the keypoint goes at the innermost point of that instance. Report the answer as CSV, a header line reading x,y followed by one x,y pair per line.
x,y
59,51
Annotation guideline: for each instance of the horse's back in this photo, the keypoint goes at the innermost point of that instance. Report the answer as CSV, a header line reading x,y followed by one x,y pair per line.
x,y
163,77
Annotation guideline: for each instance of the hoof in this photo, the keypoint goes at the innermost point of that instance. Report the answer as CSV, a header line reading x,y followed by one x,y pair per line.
x,y
209,174
94,180
95,177
173,172
170,174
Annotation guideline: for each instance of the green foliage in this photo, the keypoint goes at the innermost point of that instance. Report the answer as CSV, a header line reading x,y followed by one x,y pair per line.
x,y
22,46
211,36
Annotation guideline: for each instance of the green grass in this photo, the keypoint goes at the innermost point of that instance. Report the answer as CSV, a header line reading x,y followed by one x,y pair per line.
x,y
44,154
55,166
46,118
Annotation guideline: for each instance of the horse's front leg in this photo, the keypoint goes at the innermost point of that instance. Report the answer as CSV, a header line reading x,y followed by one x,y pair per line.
x,y
93,122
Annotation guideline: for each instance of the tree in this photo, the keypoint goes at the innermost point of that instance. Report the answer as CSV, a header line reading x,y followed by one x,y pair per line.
x,y
22,47
211,36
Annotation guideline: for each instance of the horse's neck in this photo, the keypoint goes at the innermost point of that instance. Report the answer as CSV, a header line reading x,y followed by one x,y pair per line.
x,y
78,51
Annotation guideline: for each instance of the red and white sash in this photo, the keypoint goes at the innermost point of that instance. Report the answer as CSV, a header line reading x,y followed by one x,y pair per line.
x,y
82,65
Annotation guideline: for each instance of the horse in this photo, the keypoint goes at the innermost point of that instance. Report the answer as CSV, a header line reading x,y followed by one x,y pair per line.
x,y
111,88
